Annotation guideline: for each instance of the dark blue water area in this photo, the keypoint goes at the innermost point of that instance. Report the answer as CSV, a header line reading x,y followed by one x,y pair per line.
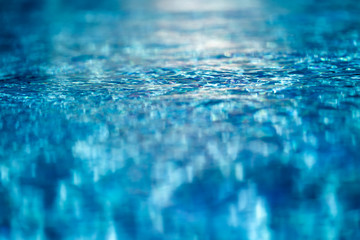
x,y
156,119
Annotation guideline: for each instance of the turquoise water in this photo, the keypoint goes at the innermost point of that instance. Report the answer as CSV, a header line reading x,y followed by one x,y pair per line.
x,y
180,120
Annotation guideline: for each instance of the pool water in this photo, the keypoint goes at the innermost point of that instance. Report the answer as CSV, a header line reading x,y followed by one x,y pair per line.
x,y
158,119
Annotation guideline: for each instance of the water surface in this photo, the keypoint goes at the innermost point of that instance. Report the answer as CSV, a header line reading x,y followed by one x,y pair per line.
x,y
182,120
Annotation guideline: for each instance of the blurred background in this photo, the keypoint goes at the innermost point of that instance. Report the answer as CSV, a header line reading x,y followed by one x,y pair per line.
x,y
159,119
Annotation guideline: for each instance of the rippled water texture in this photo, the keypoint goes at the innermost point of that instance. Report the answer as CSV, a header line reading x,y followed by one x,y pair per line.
x,y
155,119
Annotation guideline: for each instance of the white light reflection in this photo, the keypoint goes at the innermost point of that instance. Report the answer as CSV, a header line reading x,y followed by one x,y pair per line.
x,y
203,5
259,227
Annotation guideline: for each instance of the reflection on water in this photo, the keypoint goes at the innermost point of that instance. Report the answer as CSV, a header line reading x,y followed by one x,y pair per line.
x,y
179,120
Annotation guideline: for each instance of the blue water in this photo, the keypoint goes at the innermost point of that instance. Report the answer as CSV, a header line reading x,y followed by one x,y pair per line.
x,y
155,119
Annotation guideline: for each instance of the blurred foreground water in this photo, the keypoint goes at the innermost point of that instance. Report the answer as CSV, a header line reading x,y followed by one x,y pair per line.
x,y
179,119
